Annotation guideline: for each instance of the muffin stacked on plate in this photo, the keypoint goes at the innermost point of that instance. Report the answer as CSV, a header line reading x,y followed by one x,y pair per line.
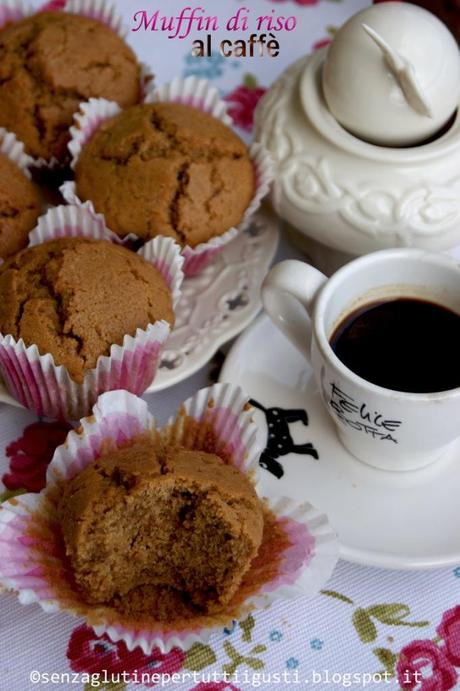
x,y
50,62
76,297
80,314
166,169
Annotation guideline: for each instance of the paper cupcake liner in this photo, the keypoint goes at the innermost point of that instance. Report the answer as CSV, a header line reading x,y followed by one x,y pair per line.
x,y
11,147
101,10
13,11
89,117
198,93
38,383
32,555
191,91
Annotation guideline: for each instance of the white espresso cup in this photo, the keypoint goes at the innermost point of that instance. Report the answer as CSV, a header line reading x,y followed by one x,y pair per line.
x,y
387,429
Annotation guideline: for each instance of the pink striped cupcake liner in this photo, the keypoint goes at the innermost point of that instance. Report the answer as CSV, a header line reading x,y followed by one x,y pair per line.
x,y
197,93
11,147
32,554
38,383
101,10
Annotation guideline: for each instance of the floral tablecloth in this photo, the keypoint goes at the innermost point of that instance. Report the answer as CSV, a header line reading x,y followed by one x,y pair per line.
x,y
367,629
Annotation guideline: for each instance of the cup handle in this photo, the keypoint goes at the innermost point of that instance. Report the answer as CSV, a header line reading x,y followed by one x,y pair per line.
x,y
285,286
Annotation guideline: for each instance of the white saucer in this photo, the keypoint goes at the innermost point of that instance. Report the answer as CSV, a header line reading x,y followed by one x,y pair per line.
x,y
216,305
384,519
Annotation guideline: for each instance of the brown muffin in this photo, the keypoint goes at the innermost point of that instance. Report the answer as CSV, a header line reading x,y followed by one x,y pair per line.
x,y
166,169
75,298
20,206
177,522
49,63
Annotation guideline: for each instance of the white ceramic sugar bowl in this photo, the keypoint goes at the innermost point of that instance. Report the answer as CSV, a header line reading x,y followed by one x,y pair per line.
x,y
342,195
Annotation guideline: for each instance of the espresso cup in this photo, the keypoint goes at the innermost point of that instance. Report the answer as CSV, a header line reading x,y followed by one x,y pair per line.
x,y
387,429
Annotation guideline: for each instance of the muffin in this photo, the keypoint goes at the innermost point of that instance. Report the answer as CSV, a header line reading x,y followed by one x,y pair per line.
x,y
145,532
49,63
20,207
76,297
166,169
150,523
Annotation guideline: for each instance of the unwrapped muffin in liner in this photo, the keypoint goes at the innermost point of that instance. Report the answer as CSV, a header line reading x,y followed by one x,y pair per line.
x,y
99,10
297,555
197,93
38,383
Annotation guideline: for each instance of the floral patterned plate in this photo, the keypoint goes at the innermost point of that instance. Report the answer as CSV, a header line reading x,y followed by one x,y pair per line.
x,y
390,520
216,305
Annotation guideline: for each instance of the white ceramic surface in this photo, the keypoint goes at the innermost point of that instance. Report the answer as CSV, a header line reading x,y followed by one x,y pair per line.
x,y
349,195
388,429
392,74
216,305
390,520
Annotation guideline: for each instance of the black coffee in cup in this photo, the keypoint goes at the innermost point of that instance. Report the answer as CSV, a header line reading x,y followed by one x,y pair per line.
x,y
404,344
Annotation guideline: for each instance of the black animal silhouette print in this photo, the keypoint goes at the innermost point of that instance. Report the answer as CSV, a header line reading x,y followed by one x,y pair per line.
x,y
279,439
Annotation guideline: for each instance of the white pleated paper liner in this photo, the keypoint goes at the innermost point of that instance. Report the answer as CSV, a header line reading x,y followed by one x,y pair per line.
x,y
197,93
12,148
103,11
191,91
41,385
14,11
32,553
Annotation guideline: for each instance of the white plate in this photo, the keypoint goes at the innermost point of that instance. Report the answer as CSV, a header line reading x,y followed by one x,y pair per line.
x,y
216,305
384,519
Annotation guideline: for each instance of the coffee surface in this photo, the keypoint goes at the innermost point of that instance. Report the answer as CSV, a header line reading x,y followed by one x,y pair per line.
x,y
404,344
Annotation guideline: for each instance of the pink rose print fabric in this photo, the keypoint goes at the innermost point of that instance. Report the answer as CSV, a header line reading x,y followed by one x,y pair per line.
x,y
30,455
243,101
424,666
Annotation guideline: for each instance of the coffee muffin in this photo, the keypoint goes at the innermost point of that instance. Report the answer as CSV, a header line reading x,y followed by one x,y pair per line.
x,y
149,523
76,297
166,169
49,63
20,207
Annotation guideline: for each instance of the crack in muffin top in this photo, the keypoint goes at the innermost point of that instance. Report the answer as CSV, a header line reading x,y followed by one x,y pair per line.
x,y
76,297
166,169
49,63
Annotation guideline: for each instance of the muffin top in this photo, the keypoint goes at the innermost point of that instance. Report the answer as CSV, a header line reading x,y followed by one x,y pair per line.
x,y
146,517
49,63
20,206
166,169
76,297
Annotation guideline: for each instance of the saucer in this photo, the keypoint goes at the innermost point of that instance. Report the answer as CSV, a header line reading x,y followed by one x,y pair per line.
x,y
384,519
216,305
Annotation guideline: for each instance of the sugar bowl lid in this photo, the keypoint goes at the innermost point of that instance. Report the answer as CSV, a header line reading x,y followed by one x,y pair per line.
x,y
392,75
